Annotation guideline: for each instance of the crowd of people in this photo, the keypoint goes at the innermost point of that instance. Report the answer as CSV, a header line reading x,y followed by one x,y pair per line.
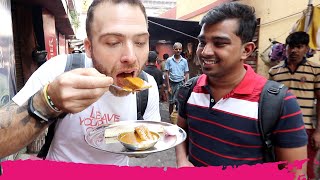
x,y
220,115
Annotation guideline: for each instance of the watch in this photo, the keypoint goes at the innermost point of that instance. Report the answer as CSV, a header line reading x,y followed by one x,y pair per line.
x,y
36,114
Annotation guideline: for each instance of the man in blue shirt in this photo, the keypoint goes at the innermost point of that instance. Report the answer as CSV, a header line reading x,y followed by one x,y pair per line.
x,y
177,71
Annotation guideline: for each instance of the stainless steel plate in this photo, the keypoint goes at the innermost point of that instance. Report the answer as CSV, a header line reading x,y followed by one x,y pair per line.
x,y
96,139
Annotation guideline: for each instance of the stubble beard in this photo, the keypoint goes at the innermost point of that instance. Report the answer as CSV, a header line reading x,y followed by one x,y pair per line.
x,y
99,67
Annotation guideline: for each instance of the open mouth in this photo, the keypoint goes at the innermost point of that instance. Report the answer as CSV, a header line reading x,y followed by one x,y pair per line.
x,y
209,62
123,75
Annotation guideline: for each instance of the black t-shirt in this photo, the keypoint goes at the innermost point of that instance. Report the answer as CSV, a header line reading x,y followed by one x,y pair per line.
x,y
156,73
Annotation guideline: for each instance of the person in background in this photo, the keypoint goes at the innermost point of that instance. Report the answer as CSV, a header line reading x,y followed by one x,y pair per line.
x,y
79,100
164,90
177,72
153,70
221,114
303,79
163,62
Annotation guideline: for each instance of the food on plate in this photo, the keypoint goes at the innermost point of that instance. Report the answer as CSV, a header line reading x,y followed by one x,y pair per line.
x,y
143,133
115,131
140,139
171,130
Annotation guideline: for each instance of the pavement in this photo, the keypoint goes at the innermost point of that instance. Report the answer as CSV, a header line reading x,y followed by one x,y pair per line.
x,y
160,159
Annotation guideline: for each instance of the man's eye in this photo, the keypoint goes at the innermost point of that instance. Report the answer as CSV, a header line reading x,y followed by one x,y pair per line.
x,y
140,43
112,43
219,44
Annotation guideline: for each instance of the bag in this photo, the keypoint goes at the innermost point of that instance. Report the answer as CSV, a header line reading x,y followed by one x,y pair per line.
x,y
39,57
77,60
272,95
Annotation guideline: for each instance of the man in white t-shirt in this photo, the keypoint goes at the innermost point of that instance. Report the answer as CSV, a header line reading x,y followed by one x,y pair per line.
x,y
81,99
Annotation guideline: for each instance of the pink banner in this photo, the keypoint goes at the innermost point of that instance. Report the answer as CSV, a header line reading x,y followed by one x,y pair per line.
x,y
40,169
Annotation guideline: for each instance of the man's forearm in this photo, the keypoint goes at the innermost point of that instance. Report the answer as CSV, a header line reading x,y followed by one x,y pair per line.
x,y
186,77
17,128
181,152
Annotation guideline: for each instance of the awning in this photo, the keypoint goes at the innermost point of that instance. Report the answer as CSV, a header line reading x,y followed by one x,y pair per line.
x,y
58,10
173,30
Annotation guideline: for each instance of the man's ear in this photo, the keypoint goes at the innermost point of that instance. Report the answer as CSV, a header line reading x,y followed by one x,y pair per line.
x,y
87,46
247,50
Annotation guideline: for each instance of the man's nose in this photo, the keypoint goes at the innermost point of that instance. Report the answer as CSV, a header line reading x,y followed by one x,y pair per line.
x,y
207,50
128,54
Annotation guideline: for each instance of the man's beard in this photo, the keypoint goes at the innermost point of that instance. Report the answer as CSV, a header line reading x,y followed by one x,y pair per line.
x,y
115,91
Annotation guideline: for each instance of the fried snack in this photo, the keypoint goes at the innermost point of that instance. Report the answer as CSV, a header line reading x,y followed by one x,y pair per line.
x,y
143,133
115,131
133,83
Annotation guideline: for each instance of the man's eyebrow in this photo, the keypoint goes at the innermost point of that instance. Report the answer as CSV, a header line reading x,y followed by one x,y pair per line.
x,y
215,38
122,35
220,38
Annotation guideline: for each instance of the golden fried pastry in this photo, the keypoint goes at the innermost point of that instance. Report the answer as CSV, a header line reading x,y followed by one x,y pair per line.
x,y
133,83
143,133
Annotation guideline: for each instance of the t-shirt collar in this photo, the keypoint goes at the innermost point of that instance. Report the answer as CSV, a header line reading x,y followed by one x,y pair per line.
x,y
246,86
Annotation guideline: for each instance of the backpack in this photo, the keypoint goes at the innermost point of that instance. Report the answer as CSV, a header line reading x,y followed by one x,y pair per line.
x,y
77,60
272,95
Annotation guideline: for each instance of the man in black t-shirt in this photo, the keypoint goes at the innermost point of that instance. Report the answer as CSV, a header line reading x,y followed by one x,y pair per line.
x,y
152,69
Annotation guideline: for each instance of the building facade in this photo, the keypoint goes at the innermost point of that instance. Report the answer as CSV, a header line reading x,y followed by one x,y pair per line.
x,y
276,20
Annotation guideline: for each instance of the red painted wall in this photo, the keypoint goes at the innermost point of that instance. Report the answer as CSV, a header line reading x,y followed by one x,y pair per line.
x,y
162,48
49,30
62,44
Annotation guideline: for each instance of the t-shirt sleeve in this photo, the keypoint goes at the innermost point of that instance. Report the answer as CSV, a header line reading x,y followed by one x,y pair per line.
x,y
167,66
43,75
182,102
290,131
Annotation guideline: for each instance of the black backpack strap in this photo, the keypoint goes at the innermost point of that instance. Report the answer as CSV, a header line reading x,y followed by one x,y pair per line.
x,y
269,112
142,98
76,60
48,139
184,93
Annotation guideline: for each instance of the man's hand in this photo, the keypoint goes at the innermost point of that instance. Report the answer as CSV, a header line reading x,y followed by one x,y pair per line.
x,y
316,139
169,90
75,90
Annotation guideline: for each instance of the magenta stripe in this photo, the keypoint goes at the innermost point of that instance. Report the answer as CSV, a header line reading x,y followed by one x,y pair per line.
x,y
290,115
225,112
198,160
226,127
226,142
289,130
224,156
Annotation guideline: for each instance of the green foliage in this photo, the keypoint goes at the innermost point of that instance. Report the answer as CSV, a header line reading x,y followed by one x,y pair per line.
x,y
74,19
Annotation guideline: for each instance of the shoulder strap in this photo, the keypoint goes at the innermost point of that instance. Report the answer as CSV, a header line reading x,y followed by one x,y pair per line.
x,y
185,92
142,98
269,112
75,60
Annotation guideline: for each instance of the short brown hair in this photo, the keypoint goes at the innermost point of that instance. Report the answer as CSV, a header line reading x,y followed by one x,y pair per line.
x,y
96,3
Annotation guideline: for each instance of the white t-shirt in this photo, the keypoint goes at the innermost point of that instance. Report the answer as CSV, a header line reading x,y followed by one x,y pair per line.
x,y
68,143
